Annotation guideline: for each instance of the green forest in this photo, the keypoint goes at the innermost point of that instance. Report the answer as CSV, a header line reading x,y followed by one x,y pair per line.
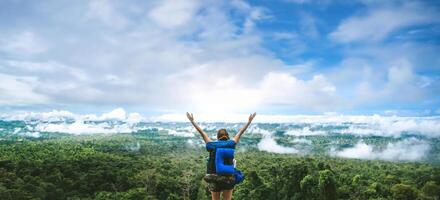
x,y
127,167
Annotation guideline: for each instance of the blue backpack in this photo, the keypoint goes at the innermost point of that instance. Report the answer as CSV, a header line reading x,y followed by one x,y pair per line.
x,y
221,156
222,166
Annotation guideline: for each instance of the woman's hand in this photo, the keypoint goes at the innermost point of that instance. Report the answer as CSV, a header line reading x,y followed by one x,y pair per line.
x,y
190,116
251,117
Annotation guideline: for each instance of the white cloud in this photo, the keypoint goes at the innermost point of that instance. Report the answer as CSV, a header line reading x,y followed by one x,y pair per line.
x,y
216,91
80,127
54,80
52,116
23,43
405,150
380,22
282,88
180,133
43,68
105,11
133,146
269,144
284,35
116,114
304,132
302,141
231,93
116,80
171,13
254,14
19,90
380,81
71,123
360,150
133,118
400,76
308,26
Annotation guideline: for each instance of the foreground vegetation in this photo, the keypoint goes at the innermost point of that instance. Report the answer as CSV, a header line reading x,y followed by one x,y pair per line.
x,y
127,167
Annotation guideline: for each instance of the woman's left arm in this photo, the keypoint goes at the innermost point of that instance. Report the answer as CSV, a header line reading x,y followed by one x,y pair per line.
x,y
242,130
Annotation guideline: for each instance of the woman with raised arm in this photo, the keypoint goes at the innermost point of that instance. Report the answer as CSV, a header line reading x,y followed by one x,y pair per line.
x,y
221,173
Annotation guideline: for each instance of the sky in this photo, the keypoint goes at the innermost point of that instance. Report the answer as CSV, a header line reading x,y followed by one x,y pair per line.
x,y
280,57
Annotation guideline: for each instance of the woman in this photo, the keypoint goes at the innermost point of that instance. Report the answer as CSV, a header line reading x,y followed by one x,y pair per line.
x,y
222,136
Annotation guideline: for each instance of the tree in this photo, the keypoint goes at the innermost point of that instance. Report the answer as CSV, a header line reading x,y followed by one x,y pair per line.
x,y
327,184
403,192
187,183
203,192
308,187
148,179
431,190
291,176
90,168
254,188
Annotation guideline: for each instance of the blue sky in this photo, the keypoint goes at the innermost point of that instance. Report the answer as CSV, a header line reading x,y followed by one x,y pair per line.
x,y
274,57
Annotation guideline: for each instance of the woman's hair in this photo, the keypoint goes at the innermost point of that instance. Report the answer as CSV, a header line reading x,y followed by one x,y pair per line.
x,y
222,134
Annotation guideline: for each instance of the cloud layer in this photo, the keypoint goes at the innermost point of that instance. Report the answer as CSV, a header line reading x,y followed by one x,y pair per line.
x,y
293,125
301,130
406,150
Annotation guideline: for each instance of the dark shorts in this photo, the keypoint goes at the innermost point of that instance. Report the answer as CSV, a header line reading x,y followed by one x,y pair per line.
x,y
218,183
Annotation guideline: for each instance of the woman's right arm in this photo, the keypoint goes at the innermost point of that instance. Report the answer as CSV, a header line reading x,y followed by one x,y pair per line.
x,y
202,133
